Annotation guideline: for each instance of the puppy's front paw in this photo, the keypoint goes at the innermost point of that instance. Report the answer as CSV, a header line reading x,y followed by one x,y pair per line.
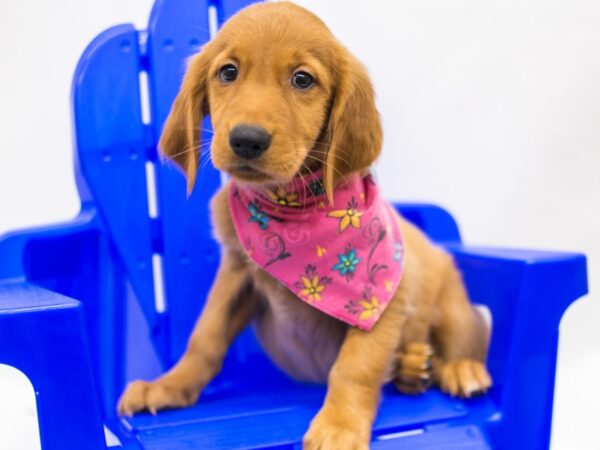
x,y
334,430
153,396
465,378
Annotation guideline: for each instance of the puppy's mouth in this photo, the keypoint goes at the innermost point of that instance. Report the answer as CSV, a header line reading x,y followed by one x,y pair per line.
x,y
246,172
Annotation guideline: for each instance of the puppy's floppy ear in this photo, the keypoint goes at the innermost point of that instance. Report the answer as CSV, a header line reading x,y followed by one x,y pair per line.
x,y
354,128
180,139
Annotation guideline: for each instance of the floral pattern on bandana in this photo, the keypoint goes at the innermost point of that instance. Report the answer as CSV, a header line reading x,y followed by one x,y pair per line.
x,y
256,215
344,259
283,198
347,263
349,216
312,285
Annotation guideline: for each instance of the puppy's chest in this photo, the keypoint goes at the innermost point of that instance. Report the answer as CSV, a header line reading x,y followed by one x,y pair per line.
x,y
301,340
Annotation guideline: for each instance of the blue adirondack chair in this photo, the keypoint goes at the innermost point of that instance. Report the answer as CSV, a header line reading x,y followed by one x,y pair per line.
x,y
112,295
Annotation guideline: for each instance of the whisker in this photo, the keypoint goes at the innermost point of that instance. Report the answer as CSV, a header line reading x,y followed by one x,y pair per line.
x,y
205,160
335,155
200,29
325,164
314,198
193,148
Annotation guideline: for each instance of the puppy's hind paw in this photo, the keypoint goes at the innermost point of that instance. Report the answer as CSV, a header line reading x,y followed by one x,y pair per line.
x,y
414,375
464,378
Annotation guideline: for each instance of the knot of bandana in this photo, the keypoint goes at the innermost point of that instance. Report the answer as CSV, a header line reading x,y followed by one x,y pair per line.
x,y
345,259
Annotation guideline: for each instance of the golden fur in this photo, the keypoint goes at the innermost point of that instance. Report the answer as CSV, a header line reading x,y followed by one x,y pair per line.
x,y
429,332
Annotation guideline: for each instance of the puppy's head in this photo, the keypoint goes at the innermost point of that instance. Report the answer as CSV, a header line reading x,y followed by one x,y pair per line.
x,y
284,97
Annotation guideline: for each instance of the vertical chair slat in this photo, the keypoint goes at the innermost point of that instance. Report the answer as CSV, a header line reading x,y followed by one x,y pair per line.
x,y
177,29
111,150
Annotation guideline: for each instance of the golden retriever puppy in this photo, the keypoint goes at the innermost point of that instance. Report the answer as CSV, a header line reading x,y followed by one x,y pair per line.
x,y
287,101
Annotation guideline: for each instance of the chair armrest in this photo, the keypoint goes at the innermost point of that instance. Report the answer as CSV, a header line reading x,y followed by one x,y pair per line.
x,y
535,279
23,252
42,334
435,221
527,293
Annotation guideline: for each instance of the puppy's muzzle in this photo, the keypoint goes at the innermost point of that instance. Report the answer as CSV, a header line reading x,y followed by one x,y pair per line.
x,y
249,141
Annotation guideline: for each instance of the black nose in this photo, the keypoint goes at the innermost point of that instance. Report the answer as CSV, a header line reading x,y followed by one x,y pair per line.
x,y
249,141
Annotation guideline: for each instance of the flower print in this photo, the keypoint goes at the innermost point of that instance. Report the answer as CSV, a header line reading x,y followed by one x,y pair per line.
x,y
347,263
352,307
366,308
370,308
312,288
256,215
283,198
311,285
349,216
398,250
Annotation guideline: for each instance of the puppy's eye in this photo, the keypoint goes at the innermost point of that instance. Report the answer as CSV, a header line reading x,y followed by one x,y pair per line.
x,y
228,73
302,80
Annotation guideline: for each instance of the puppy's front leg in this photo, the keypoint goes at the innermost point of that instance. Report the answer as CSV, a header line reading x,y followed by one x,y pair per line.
x,y
226,313
346,417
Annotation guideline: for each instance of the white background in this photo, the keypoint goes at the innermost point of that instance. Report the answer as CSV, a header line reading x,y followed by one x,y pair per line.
x,y
491,108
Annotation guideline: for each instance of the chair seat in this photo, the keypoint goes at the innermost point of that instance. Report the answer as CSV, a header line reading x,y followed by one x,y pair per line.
x,y
276,414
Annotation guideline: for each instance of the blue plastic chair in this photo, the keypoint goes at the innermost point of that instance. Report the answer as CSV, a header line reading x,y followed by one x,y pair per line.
x,y
81,310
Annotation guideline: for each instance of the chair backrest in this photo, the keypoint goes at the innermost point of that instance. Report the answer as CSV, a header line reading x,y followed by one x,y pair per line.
x,y
123,89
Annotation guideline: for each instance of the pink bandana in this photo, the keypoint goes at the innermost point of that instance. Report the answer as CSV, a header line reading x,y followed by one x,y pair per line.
x,y
346,260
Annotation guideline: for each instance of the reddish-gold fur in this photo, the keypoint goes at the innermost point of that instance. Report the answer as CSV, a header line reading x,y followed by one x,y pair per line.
x,y
429,332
